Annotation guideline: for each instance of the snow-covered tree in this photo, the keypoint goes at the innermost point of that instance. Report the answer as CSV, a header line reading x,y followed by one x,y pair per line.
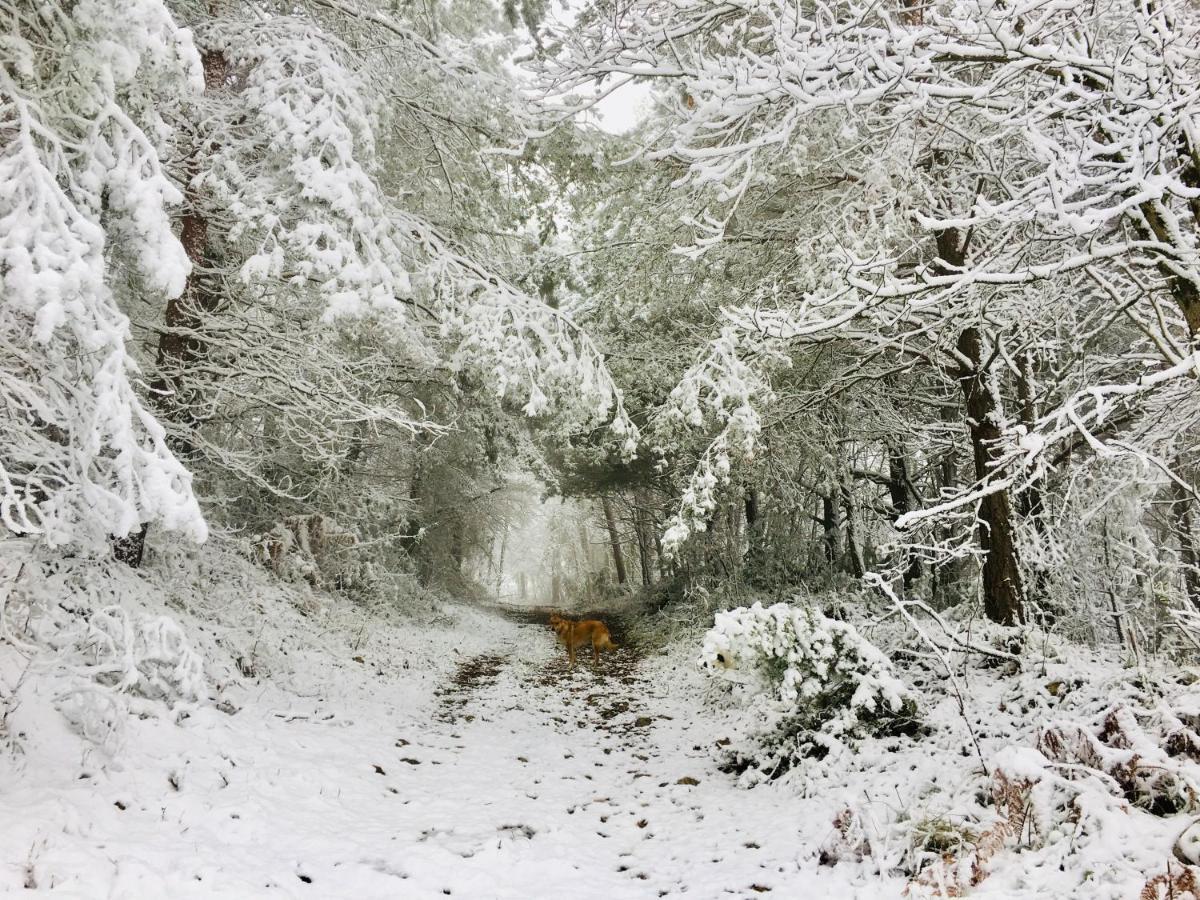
x,y
83,197
958,177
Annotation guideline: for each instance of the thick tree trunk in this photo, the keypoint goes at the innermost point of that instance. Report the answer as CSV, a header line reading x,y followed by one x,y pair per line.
x,y
1003,592
900,490
614,537
1189,557
179,344
831,529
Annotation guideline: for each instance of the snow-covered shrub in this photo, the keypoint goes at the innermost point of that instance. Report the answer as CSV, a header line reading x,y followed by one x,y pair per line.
x,y
306,548
95,714
847,841
150,657
815,684
1078,784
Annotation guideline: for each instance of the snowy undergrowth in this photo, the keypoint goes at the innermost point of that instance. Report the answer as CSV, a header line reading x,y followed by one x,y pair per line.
x,y
116,683
814,685
1070,775
311,752
192,627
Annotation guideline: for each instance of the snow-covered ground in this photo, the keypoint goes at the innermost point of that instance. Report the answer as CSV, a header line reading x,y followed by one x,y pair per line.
x,y
454,760
453,754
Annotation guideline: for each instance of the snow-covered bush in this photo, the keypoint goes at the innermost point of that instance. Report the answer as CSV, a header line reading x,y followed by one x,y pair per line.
x,y
149,656
306,548
1078,785
96,632
815,684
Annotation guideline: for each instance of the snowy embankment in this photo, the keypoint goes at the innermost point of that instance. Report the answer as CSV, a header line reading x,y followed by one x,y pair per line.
x,y
450,754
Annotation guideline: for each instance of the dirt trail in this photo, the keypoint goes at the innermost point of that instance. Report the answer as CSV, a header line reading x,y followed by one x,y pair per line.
x,y
588,783
605,700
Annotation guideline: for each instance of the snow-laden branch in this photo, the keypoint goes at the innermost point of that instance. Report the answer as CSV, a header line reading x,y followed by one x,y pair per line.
x,y
80,171
1021,145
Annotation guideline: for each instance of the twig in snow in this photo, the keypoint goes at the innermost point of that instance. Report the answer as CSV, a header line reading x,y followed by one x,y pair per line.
x,y
883,587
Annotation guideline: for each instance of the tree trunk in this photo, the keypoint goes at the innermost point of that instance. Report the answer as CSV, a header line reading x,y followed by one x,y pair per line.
x,y
832,531
658,553
179,343
645,543
610,520
131,548
457,549
858,567
1111,588
1189,558
900,490
1003,592
946,573
412,525
1029,500
585,545
500,567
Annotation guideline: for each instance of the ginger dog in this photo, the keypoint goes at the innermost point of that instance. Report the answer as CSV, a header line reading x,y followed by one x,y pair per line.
x,y
577,634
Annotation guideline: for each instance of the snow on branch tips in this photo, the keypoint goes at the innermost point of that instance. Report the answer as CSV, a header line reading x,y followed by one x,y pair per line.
x,y
79,167
531,352
351,233
313,141
722,388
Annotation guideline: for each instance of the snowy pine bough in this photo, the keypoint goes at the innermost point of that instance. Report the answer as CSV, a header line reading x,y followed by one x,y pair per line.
x,y
83,191
817,685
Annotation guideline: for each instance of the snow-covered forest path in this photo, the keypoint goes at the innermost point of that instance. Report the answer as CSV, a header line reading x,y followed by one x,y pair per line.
x,y
550,782
463,761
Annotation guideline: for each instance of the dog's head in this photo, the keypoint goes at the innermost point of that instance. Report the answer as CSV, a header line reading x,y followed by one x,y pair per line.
x,y
718,658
